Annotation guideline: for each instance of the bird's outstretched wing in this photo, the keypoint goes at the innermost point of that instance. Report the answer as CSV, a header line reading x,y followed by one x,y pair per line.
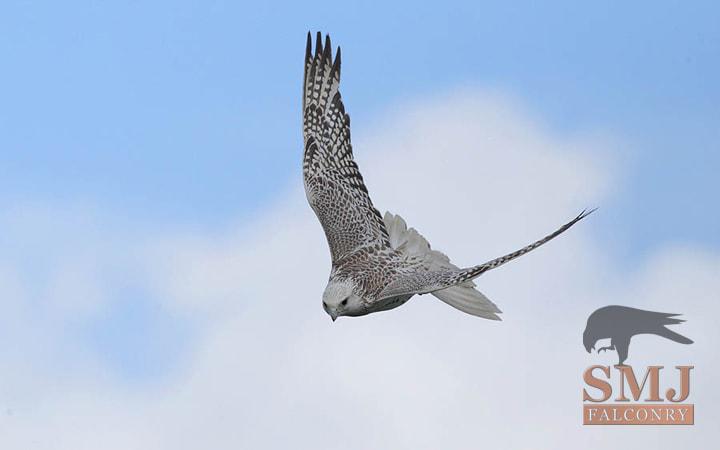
x,y
643,321
413,281
333,184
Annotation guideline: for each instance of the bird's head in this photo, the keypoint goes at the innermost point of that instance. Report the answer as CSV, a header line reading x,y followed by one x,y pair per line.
x,y
339,299
589,340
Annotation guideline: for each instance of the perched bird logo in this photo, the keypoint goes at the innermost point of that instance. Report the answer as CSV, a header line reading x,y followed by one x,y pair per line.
x,y
621,323
378,263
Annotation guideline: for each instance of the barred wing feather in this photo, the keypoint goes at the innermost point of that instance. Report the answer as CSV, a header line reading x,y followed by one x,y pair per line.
x,y
333,184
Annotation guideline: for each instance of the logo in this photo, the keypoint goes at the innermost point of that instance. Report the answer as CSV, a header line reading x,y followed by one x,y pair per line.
x,y
645,405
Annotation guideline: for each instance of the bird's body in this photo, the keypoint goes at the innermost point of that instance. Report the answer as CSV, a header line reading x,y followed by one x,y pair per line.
x,y
377,262
621,323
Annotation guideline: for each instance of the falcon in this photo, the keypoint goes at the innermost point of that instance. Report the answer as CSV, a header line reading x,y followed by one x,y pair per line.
x,y
378,263
621,323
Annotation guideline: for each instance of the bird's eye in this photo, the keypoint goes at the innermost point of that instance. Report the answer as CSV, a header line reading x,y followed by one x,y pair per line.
x,y
344,302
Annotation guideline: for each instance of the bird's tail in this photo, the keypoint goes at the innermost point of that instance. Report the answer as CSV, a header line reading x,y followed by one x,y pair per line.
x,y
673,336
462,296
469,300
472,272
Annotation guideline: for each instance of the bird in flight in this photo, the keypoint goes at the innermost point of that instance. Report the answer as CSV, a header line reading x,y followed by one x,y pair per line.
x,y
378,263
621,323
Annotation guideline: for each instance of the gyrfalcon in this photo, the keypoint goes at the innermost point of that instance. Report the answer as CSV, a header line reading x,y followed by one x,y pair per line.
x,y
378,263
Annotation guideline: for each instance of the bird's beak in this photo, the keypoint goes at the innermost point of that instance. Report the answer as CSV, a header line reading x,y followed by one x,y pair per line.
x,y
333,316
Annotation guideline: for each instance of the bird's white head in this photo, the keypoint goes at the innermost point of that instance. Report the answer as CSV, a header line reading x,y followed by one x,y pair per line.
x,y
339,299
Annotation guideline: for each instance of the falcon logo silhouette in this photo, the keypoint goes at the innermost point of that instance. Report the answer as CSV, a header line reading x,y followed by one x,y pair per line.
x,y
621,323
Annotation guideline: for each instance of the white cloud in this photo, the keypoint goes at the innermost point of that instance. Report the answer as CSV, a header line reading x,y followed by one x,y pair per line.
x,y
478,177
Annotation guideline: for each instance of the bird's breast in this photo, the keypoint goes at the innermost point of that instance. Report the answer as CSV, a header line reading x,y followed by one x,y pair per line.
x,y
389,303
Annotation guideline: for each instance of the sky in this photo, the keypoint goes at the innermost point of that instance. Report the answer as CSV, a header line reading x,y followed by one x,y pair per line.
x,y
160,270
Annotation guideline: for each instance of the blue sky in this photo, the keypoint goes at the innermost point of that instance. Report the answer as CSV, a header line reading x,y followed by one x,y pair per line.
x,y
187,112
186,115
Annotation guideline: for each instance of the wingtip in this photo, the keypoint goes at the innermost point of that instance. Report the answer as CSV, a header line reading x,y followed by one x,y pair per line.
x,y
336,65
327,49
308,46
318,44
585,213
323,50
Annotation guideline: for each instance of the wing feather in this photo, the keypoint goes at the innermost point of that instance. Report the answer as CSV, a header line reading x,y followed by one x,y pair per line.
x,y
333,184
411,281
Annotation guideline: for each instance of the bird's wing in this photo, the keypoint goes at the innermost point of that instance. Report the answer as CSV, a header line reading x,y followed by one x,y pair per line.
x,y
333,184
641,318
410,280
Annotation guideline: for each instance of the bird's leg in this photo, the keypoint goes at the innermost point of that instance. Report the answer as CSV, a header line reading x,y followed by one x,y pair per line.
x,y
623,345
610,347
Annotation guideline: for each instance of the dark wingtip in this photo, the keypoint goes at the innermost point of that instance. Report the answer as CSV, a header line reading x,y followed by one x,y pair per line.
x,y
308,46
318,44
327,50
336,65
585,213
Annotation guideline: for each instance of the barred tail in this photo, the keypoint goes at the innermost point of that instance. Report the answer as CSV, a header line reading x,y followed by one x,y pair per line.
x,y
472,272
